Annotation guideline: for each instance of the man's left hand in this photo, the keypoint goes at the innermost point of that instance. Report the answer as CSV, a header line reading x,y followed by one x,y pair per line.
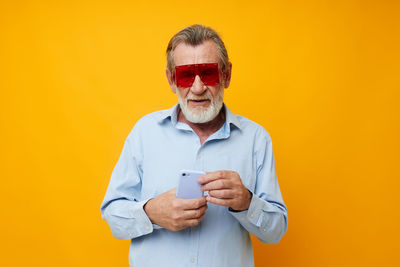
x,y
225,188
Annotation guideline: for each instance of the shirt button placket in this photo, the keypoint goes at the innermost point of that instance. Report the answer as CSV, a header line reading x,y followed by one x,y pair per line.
x,y
199,159
194,246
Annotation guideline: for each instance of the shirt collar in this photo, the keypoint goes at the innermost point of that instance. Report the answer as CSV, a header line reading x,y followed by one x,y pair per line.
x,y
231,118
172,113
169,113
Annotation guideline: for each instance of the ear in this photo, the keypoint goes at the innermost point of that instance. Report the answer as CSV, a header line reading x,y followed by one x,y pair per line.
x,y
227,75
170,81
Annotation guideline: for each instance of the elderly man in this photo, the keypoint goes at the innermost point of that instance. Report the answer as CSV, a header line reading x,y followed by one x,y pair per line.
x,y
200,133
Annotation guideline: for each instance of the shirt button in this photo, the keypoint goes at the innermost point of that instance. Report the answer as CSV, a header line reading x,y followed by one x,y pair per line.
x,y
251,215
198,157
192,260
147,227
264,229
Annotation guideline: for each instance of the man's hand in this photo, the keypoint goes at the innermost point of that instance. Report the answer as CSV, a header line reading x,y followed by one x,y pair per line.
x,y
225,188
174,213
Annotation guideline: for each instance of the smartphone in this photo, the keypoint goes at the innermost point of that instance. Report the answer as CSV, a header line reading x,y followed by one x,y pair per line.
x,y
188,186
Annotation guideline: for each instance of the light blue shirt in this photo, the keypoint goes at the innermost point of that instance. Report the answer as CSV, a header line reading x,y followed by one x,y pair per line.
x,y
155,151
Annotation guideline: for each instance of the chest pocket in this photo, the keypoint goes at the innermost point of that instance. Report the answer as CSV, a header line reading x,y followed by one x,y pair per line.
x,y
243,166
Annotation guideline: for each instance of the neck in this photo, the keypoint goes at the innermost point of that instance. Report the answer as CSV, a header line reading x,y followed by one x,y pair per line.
x,y
204,130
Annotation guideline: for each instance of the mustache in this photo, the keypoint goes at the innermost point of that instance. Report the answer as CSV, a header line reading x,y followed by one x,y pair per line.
x,y
207,96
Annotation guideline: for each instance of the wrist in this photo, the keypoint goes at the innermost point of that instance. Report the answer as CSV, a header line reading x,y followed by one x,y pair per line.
x,y
148,209
246,205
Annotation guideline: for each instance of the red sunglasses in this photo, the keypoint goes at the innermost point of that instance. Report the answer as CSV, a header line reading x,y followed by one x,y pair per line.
x,y
185,74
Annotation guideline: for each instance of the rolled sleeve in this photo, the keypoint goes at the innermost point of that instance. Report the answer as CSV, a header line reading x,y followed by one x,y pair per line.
x,y
127,219
264,220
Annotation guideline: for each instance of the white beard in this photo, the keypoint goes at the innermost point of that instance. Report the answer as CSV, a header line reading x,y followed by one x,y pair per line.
x,y
201,114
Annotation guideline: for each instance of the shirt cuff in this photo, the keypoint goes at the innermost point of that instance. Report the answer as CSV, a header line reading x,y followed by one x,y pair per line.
x,y
254,214
154,226
143,225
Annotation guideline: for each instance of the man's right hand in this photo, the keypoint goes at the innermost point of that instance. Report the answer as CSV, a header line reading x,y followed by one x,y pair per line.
x,y
174,213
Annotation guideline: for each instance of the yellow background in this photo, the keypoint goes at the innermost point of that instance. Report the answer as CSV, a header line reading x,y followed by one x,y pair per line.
x,y
321,76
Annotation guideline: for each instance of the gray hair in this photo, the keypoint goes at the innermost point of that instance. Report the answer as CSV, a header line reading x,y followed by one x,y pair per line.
x,y
195,35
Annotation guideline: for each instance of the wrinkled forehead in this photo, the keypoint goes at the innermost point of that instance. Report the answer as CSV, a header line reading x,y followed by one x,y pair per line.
x,y
185,54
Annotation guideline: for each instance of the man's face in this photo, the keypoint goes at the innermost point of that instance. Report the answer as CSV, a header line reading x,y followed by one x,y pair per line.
x,y
199,103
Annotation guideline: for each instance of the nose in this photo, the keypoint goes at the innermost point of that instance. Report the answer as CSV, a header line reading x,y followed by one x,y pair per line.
x,y
198,87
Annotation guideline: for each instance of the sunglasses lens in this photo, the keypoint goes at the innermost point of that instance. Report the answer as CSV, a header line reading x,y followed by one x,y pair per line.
x,y
209,74
185,74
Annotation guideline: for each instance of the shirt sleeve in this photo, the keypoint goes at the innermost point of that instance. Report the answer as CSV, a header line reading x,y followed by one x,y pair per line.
x,y
266,217
122,206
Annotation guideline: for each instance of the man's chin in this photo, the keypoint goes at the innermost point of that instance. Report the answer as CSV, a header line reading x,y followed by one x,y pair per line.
x,y
197,108
198,111
200,116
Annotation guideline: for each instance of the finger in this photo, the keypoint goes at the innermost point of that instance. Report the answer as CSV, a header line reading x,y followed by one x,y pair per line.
x,y
194,222
220,201
169,193
194,203
172,191
195,214
217,185
211,176
224,193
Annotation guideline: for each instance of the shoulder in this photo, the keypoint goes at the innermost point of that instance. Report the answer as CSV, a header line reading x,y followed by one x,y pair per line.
x,y
248,126
153,118
149,122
